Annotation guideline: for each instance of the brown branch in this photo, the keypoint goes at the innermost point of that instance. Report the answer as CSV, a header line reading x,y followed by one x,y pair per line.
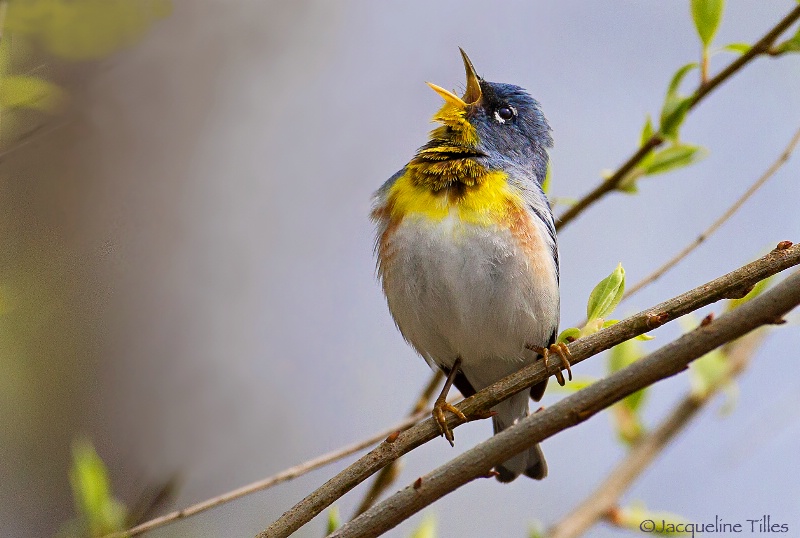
x,y
773,168
605,497
734,284
761,47
667,361
283,476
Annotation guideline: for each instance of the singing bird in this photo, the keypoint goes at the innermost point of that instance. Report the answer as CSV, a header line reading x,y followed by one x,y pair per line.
x,y
467,252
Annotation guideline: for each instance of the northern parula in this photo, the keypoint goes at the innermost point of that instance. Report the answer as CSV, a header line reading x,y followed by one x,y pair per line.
x,y
467,251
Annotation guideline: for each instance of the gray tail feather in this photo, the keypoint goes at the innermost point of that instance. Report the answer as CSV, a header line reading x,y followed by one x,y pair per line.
x,y
529,462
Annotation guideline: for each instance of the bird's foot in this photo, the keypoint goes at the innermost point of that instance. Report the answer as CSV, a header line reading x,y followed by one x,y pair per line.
x,y
563,353
439,407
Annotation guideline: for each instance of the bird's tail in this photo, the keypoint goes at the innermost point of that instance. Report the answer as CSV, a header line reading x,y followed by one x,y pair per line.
x,y
529,462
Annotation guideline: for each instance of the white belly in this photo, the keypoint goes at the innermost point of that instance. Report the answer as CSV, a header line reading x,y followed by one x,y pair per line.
x,y
465,290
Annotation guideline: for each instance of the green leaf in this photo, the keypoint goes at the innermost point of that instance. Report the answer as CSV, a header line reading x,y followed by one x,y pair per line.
x,y
707,15
790,45
627,423
757,290
637,516
547,177
621,356
626,414
536,530
675,107
606,295
20,91
709,372
85,29
647,131
673,157
98,511
334,520
577,383
737,48
426,528
572,332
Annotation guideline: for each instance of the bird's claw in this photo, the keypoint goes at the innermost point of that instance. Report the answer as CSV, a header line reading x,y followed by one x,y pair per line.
x,y
563,353
439,407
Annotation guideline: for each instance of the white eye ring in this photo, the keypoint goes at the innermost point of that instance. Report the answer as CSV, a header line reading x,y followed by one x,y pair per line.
x,y
501,120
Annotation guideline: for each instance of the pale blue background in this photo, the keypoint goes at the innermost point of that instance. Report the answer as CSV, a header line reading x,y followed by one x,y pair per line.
x,y
234,152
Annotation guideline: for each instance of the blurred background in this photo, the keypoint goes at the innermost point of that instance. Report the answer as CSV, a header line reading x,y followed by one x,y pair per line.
x,y
186,267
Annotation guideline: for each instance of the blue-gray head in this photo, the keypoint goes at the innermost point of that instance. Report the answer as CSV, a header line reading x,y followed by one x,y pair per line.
x,y
501,123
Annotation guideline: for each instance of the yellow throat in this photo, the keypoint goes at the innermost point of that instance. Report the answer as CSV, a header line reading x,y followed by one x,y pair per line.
x,y
444,176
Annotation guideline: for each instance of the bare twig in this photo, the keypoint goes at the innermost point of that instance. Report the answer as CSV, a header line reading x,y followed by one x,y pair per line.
x,y
606,496
734,284
761,47
283,476
665,362
773,168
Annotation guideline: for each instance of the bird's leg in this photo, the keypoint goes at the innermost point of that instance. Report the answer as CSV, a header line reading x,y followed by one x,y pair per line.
x,y
441,405
562,351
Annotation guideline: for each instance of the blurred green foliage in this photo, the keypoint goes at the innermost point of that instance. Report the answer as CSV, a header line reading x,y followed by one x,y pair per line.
x,y
84,29
98,512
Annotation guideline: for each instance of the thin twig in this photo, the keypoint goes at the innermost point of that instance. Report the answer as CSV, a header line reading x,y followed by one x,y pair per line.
x,y
389,474
773,168
283,476
735,284
667,361
605,497
761,47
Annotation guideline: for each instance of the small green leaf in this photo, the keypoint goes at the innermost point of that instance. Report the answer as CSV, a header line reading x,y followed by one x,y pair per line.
x,y
757,290
334,520
621,356
790,45
30,92
639,519
628,184
547,177
647,131
707,15
675,107
675,156
627,423
98,511
573,332
426,528
606,295
709,372
536,530
737,48
577,383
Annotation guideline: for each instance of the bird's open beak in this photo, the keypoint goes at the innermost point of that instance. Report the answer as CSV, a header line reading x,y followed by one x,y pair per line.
x,y
473,93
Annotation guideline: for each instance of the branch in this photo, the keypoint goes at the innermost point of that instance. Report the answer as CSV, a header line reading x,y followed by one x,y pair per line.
x,y
667,361
761,47
605,497
734,284
773,168
283,476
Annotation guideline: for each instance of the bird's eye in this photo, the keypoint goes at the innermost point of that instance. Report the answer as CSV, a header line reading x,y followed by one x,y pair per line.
x,y
504,113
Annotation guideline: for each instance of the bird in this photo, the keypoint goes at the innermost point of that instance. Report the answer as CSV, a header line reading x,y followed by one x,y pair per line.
x,y
467,254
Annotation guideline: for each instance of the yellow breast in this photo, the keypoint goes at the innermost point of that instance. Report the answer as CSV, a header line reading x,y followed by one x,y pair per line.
x,y
489,200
